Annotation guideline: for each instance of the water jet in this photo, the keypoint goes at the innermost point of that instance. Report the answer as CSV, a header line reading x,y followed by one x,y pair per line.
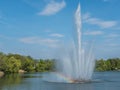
x,y
74,65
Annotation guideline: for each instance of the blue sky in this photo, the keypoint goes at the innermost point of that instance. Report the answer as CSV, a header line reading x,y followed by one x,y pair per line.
x,y
38,27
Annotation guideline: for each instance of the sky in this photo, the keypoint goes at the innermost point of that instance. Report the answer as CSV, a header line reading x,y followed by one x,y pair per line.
x,y
38,27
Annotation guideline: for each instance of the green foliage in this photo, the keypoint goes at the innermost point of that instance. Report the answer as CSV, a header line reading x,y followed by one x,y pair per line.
x,y
28,65
108,65
44,65
12,63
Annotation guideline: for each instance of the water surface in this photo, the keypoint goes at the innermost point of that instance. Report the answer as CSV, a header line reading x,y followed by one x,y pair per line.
x,y
34,81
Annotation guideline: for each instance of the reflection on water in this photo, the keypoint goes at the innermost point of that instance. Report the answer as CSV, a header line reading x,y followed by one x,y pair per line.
x,y
8,80
34,81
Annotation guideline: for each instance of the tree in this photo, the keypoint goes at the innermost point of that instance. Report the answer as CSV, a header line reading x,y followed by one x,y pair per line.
x,y
12,65
28,65
108,64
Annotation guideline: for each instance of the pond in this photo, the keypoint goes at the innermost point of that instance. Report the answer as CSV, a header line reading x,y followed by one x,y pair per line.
x,y
34,81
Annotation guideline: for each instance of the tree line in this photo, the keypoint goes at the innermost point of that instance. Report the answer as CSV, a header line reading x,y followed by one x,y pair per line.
x,y
12,63
108,65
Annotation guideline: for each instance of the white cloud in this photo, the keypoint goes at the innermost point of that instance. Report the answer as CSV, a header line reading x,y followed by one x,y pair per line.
x,y
52,8
113,35
113,45
93,33
109,0
117,28
42,41
99,22
86,16
56,35
105,0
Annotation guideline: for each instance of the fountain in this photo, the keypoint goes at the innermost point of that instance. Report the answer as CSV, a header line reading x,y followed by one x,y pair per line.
x,y
74,65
